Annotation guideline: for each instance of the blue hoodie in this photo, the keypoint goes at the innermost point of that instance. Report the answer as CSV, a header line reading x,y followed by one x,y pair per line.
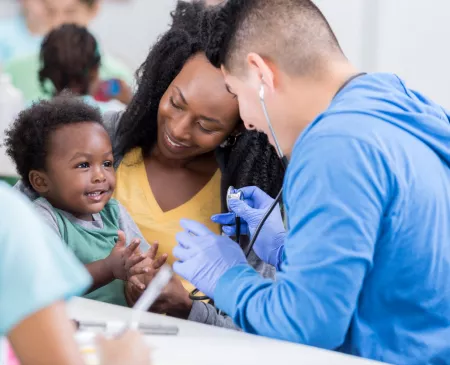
x,y
367,253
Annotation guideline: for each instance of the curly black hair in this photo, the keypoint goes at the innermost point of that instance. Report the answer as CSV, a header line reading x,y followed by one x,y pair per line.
x,y
249,161
27,139
68,55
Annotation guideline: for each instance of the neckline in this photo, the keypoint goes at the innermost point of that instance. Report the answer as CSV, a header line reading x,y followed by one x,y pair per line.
x,y
150,196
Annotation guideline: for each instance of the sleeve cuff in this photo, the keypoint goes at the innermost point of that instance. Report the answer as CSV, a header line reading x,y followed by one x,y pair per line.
x,y
229,284
199,312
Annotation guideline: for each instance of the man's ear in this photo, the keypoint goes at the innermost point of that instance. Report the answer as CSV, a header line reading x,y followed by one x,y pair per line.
x,y
39,181
262,70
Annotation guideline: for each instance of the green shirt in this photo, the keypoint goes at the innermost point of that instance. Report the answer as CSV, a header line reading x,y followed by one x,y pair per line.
x,y
93,241
24,72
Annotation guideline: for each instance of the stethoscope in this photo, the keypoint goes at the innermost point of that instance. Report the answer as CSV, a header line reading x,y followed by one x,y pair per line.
x,y
236,194
233,193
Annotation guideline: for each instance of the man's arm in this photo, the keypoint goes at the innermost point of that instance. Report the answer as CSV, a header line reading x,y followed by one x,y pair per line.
x,y
335,194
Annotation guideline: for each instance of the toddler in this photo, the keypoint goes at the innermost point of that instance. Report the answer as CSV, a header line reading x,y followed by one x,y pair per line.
x,y
63,153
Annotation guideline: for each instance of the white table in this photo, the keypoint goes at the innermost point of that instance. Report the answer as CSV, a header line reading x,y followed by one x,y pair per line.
x,y
198,344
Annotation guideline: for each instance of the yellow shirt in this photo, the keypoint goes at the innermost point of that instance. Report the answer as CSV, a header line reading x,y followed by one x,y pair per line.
x,y
134,192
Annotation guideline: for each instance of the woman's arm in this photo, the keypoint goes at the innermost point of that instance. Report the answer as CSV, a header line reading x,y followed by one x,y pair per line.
x,y
46,337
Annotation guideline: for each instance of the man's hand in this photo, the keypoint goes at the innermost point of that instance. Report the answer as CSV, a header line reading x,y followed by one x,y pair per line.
x,y
269,245
205,256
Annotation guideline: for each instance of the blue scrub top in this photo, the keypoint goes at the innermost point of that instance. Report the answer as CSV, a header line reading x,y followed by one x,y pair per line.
x,y
367,254
16,40
36,268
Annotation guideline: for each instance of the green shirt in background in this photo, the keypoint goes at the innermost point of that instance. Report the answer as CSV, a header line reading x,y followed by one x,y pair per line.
x,y
24,72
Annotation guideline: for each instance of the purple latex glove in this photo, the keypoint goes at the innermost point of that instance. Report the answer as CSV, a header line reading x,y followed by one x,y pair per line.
x,y
205,256
269,245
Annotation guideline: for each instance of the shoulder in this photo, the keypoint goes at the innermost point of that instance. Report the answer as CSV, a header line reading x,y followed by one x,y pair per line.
x,y
30,194
18,206
42,203
21,213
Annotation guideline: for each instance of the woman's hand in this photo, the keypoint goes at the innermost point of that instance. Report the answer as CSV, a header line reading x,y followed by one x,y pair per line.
x,y
174,300
128,349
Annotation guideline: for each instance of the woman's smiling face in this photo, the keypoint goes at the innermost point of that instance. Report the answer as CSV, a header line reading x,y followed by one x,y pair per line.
x,y
196,113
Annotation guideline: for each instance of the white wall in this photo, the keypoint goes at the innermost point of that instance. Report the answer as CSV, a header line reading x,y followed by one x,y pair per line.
x,y
414,42
128,29
408,37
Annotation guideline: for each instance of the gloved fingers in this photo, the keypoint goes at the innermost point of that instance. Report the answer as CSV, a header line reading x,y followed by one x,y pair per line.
x,y
195,228
224,218
257,197
231,230
249,191
241,209
186,240
184,270
254,193
183,254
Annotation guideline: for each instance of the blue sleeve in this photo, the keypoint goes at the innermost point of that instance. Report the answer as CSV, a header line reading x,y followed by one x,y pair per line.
x,y
336,190
36,269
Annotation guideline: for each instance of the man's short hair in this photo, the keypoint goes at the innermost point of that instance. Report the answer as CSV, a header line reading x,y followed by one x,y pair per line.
x,y
292,33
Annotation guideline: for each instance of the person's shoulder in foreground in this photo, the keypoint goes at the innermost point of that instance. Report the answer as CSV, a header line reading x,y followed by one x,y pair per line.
x,y
31,257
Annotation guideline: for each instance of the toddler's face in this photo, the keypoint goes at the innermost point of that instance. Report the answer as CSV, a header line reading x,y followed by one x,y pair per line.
x,y
80,172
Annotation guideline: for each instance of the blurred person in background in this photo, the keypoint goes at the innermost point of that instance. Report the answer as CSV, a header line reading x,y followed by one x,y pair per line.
x,y
22,34
24,70
33,313
70,60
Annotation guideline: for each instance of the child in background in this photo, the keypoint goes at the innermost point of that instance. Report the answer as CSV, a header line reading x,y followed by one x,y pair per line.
x,y
70,60
22,34
24,69
63,152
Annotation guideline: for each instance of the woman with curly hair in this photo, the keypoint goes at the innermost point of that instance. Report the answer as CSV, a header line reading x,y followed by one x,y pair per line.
x,y
179,145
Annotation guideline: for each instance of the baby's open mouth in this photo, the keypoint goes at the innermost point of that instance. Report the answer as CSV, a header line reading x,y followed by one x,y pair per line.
x,y
96,195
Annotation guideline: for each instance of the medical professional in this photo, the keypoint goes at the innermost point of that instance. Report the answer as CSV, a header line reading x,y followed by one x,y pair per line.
x,y
37,273
364,264
22,34
24,70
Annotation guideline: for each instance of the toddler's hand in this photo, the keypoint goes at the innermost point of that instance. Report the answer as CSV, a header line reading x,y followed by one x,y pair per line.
x,y
151,265
148,268
122,259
